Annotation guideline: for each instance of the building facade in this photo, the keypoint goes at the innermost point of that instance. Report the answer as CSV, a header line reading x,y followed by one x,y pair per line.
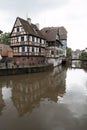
x,y
55,46
27,42
63,39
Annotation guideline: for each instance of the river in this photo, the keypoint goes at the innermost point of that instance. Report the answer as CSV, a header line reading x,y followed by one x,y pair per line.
x,y
54,100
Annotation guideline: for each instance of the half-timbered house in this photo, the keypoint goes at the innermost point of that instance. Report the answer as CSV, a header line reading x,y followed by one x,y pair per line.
x,y
54,46
27,42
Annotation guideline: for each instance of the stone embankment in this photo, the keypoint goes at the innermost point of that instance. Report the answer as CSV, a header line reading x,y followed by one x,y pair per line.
x,y
22,69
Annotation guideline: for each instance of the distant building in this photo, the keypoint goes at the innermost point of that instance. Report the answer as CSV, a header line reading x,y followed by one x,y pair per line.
x,y
76,54
56,38
27,42
85,49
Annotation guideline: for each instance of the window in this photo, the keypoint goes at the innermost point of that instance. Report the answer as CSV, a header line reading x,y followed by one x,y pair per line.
x,y
37,49
23,49
17,29
32,39
52,52
15,50
32,49
40,40
40,49
22,38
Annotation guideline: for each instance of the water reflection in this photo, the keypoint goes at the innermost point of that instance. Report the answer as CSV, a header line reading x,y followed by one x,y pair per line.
x,y
29,90
76,64
79,64
2,104
55,100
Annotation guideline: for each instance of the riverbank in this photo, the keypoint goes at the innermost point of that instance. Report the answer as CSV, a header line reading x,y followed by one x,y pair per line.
x,y
25,69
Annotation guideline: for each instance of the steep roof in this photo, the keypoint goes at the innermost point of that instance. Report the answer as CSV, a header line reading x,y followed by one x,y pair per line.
x,y
30,28
50,33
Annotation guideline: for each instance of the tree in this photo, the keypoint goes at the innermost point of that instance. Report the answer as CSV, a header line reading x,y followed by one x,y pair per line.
x,y
4,38
68,52
83,56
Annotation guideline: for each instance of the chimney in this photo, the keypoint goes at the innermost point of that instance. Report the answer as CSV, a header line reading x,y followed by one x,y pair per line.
x,y
29,20
38,25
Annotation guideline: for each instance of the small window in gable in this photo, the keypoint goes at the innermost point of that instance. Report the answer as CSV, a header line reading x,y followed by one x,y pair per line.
x,y
17,29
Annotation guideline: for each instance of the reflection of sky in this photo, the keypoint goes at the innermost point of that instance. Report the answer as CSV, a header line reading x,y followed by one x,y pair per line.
x,y
6,92
76,92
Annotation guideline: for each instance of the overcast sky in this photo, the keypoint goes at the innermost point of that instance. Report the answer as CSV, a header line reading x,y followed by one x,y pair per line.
x,y
72,14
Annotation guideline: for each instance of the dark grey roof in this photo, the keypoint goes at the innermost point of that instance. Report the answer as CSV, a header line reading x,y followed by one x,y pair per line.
x,y
50,33
30,28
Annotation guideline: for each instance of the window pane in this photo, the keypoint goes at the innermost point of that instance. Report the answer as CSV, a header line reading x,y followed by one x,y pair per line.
x,y
40,49
22,38
17,29
23,49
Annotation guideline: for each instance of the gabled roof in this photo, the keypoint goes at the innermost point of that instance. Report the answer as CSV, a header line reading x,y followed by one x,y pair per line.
x,y
30,28
50,33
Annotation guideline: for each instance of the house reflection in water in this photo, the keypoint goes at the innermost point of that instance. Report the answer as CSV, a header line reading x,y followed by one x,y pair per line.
x,y
29,90
2,104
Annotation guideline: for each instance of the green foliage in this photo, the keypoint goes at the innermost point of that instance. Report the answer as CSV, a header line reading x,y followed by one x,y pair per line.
x,y
4,38
83,56
69,52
